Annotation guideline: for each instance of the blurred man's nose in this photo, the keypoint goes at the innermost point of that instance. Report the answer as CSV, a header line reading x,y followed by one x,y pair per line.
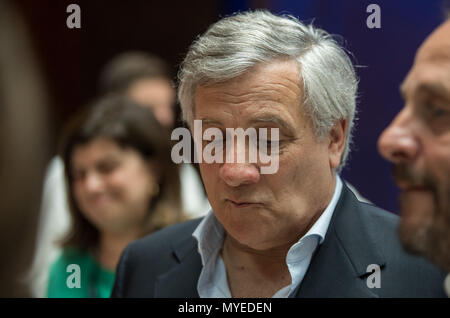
x,y
397,143
165,115
236,174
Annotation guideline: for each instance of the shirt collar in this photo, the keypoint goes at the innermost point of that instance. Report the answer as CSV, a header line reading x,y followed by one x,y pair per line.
x,y
210,233
320,227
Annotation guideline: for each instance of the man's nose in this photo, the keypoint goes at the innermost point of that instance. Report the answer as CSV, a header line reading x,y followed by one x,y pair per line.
x,y
236,174
236,169
397,143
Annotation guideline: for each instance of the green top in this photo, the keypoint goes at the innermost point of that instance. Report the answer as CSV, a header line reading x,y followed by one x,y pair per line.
x,y
76,274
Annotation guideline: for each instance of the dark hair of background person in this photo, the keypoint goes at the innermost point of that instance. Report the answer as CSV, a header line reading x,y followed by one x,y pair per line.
x,y
127,68
131,126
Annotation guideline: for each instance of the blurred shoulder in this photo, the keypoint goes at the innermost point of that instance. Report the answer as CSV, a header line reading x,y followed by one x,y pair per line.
x,y
414,275
158,247
167,236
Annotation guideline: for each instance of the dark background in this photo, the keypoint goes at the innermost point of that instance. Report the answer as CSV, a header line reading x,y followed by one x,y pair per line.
x,y
72,58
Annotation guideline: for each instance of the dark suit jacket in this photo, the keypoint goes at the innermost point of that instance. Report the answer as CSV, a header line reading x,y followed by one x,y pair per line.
x,y
167,263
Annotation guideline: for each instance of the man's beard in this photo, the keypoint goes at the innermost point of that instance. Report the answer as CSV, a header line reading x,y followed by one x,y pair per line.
x,y
425,231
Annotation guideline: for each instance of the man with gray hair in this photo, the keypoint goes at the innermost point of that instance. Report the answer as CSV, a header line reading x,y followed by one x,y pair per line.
x,y
299,232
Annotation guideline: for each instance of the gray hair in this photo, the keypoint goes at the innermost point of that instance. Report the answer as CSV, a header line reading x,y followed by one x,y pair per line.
x,y
237,43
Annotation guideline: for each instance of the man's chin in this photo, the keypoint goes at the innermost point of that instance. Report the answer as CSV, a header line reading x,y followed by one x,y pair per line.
x,y
423,238
417,206
416,218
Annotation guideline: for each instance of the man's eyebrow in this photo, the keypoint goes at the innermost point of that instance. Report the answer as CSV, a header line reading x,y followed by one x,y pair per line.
x,y
210,121
271,120
434,88
275,120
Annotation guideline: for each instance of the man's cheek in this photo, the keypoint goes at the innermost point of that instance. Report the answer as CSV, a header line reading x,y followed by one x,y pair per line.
x,y
417,208
210,177
205,171
443,203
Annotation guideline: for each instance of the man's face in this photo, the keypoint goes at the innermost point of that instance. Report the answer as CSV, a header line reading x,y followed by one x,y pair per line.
x,y
266,211
159,95
418,143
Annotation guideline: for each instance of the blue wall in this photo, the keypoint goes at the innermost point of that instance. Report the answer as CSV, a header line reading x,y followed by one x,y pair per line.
x,y
386,55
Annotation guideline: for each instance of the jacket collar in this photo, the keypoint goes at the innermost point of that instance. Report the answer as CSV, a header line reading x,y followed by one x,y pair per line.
x,y
340,264
181,280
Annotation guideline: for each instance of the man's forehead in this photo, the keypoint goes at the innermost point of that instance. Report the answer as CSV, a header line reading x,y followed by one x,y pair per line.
x,y
437,45
278,73
431,63
425,76
270,86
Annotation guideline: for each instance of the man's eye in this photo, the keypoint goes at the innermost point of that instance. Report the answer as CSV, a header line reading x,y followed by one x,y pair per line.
x,y
431,111
268,141
437,111
270,147
437,117
214,142
265,142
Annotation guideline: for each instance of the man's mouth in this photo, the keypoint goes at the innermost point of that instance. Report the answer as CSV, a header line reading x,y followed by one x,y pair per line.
x,y
416,188
241,203
408,181
409,184
409,187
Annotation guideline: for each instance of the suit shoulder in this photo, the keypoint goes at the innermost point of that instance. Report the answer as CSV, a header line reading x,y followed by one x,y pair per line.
x,y
145,259
418,276
157,248
166,237
378,214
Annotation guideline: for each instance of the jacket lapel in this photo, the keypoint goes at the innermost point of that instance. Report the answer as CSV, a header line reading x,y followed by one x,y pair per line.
x,y
181,280
338,268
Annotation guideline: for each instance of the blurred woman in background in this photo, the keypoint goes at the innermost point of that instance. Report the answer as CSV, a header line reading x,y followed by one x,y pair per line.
x,y
122,185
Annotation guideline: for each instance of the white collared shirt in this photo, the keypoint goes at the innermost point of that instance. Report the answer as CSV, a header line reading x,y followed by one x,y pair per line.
x,y
210,234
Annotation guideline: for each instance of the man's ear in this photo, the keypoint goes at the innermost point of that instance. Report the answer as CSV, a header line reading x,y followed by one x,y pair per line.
x,y
337,142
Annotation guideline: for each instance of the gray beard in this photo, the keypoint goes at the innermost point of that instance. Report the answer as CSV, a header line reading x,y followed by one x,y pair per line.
x,y
431,241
